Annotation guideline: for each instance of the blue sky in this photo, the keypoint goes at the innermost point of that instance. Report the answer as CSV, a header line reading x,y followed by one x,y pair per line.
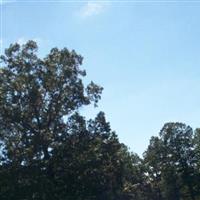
x,y
146,55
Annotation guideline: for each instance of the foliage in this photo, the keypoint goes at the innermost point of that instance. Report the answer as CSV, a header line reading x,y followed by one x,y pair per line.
x,y
48,150
171,163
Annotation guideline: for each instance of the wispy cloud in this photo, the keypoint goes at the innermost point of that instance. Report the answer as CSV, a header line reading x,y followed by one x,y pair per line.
x,y
93,8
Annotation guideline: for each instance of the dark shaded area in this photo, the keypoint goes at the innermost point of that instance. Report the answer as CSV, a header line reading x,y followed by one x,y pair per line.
x,y
50,151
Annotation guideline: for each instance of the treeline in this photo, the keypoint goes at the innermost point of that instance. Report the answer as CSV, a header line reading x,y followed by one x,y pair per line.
x,y
49,151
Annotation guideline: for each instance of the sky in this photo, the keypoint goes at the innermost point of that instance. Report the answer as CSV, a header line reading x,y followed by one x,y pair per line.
x,y
146,55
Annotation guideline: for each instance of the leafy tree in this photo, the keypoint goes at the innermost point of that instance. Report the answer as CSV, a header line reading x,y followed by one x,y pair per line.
x,y
36,95
197,161
48,150
153,162
197,147
178,141
171,162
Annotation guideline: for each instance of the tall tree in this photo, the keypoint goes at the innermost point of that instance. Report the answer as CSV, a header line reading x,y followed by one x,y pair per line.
x,y
153,162
197,161
171,163
48,150
179,156
36,96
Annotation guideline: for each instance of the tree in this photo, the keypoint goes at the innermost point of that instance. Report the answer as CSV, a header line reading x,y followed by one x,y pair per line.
x,y
153,162
178,141
197,161
48,149
36,95
171,162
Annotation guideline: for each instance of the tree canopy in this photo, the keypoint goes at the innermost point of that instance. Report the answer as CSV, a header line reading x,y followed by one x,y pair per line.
x,y
48,150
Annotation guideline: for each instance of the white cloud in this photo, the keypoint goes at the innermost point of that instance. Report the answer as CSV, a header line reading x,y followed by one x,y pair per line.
x,y
93,8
